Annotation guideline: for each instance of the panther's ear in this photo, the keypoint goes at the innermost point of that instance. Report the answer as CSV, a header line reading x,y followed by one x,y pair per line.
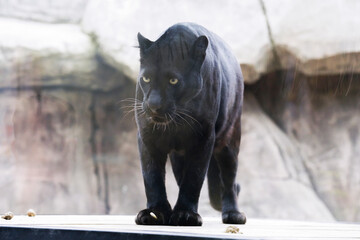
x,y
199,48
144,43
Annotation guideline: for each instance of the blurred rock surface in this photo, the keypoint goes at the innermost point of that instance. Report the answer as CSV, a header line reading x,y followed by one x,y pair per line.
x,y
51,11
315,37
68,142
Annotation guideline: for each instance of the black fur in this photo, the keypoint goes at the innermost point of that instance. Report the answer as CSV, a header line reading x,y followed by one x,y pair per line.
x,y
194,119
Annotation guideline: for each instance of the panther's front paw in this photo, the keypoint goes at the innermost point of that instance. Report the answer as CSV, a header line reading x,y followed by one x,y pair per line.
x,y
185,218
234,217
151,217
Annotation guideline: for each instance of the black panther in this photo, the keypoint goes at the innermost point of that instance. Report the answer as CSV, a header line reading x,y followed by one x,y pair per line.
x,y
188,106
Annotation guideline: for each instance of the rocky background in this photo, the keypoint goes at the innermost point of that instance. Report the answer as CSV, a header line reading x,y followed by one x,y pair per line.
x,y
67,141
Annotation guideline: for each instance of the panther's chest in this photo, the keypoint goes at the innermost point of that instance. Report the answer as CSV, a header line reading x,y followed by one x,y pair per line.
x,y
174,138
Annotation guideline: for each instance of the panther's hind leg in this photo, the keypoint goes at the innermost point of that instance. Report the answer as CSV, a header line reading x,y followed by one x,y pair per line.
x,y
227,160
214,184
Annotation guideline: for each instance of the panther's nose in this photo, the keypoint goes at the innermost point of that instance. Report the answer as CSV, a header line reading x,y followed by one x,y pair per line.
x,y
154,105
154,108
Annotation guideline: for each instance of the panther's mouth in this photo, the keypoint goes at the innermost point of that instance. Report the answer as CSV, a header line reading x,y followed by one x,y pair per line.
x,y
161,119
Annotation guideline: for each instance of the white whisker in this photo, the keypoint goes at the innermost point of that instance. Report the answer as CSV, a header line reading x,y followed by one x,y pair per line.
x,y
189,116
186,122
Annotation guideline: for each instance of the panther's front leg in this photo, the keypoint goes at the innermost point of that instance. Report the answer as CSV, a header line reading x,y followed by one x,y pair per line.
x,y
196,162
158,209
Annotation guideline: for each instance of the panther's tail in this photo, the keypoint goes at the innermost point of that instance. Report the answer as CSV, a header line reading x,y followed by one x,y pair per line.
x,y
215,185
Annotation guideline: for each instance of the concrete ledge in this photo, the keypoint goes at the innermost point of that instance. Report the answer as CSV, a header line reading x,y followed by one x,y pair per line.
x,y
123,227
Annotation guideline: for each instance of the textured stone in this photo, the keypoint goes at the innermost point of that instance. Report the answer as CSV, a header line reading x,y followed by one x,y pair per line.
x,y
322,117
44,54
290,35
52,55
53,89
116,24
117,154
316,37
60,154
53,11
271,167
47,138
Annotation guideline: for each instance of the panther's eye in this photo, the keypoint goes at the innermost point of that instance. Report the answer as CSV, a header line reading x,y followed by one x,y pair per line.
x,y
147,80
173,81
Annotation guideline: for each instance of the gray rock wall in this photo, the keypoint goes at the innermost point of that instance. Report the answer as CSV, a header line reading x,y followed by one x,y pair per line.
x,y
52,11
265,35
68,140
321,116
